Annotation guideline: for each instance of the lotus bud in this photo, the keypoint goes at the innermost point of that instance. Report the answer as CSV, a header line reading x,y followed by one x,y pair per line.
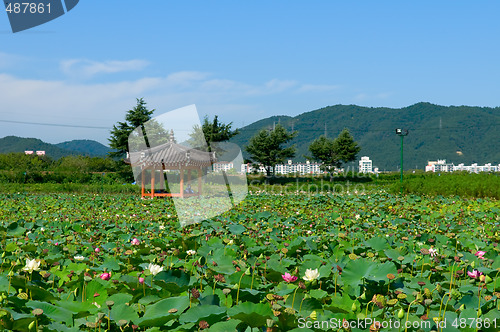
x,y
353,307
363,296
401,313
31,326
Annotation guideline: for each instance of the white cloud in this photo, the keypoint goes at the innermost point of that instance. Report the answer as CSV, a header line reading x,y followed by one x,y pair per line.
x,y
276,85
8,61
83,68
103,104
376,96
318,88
186,78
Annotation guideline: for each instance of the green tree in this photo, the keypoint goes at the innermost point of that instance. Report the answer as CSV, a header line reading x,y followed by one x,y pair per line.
x,y
323,151
333,152
211,132
345,147
267,147
136,118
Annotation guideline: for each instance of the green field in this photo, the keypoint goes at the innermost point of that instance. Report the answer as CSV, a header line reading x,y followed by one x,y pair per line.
x,y
374,255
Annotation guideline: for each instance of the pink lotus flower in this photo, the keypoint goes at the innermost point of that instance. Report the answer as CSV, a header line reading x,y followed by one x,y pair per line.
x,y
474,274
141,280
135,241
97,249
105,276
480,254
288,277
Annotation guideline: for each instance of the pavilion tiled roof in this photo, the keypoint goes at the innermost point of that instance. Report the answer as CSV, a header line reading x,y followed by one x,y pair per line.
x,y
171,155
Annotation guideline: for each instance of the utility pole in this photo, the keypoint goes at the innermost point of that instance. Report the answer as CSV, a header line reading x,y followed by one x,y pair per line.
x,y
402,133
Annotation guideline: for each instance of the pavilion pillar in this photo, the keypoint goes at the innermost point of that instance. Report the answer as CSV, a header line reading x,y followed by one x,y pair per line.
x,y
199,182
152,182
182,182
142,182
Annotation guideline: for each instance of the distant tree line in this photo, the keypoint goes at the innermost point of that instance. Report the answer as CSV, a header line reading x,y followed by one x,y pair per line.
x,y
267,148
21,168
271,147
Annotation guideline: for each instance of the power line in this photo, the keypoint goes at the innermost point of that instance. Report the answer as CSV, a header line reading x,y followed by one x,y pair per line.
x,y
392,129
54,124
248,129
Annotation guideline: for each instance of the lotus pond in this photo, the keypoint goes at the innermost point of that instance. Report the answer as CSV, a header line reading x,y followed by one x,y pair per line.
x,y
274,263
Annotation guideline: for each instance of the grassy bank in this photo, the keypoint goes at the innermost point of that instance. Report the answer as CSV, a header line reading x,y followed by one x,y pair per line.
x,y
460,184
69,188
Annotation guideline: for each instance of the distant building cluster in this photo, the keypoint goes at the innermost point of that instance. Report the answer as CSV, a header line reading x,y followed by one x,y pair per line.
x,y
222,166
289,168
442,166
38,153
365,166
299,168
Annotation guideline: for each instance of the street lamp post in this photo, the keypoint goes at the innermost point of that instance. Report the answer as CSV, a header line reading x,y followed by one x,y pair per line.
x,y
402,133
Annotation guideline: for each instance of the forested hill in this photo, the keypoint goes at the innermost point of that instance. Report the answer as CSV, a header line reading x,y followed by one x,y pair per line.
x,y
459,134
55,151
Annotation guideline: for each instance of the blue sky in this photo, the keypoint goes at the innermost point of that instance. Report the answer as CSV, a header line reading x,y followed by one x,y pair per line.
x,y
243,60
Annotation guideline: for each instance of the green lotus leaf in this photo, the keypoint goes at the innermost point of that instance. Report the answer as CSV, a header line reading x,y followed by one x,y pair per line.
x,y
253,314
209,313
363,269
123,312
161,312
229,325
55,313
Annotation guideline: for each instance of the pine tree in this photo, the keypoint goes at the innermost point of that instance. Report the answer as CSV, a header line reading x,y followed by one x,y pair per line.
x,y
136,118
322,150
267,147
333,152
345,147
211,132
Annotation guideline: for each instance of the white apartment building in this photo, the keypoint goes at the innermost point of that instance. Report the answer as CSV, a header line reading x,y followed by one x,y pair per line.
x,y
365,165
442,166
248,168
222,166
300,168
38,153
288,168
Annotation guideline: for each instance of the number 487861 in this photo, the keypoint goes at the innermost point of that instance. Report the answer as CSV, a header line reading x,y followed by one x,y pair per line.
x,y
27,8
461,323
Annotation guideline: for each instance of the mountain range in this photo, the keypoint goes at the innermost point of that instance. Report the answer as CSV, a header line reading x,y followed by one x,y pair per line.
x,y
55,151
459,134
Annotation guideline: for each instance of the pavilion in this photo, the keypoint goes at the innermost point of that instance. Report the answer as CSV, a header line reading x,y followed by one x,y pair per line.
x,y
171,156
